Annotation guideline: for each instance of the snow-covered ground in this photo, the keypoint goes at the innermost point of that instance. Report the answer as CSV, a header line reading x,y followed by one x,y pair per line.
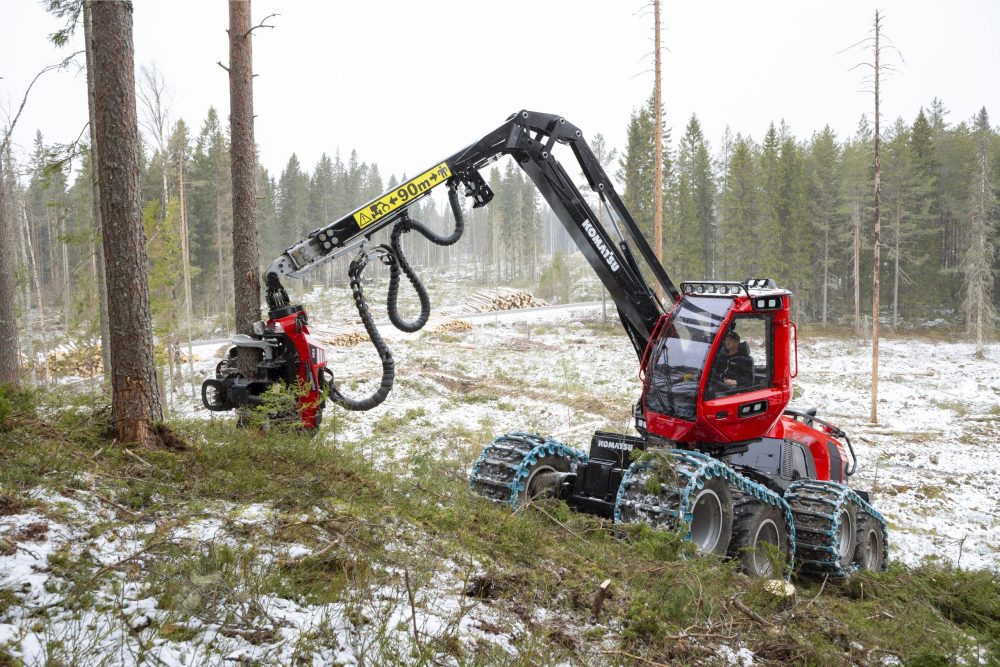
x,y
932,462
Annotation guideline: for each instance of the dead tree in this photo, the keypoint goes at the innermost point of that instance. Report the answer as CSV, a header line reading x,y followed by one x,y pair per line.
x,y
243,166
10,357
979,309
657,138
135,396
878,69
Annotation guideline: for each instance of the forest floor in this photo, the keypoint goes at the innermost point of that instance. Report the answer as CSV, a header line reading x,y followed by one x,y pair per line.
x,y
362,545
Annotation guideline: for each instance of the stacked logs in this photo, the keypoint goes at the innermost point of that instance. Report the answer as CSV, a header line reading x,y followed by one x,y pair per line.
x,y
348,339
452,325
501,298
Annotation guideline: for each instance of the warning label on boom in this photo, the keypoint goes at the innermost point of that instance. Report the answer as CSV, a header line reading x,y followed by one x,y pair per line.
x,y
399,197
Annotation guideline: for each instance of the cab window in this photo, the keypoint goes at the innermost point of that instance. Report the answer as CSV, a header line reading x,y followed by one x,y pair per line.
x,y
744,359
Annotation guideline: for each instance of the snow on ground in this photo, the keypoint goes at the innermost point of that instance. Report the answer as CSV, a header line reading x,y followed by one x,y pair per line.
x,y
932,462
933,459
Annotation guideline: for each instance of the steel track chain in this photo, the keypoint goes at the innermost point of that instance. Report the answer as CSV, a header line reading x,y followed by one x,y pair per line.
x,y
635,503
817,507
501,471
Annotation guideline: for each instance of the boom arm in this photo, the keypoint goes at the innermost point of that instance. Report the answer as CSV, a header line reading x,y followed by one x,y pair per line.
x,y
529,138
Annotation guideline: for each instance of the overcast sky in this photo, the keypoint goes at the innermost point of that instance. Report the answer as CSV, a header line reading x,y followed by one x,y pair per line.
x,y
408,83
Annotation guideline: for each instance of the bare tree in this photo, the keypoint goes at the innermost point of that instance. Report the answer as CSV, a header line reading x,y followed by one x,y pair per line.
x,y
979,309
243,160
657,138
10,358
877,249
135,399
10,355
878,69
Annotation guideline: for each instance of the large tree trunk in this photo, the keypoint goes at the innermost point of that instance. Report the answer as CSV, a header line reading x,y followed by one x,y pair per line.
x,y
657,142
10,346
135,396
242,153
877,250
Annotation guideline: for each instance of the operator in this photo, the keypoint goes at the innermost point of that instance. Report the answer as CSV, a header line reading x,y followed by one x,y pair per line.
x,y
734,367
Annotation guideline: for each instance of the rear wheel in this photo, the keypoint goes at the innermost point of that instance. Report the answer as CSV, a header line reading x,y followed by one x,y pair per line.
x,y
870,551
759,536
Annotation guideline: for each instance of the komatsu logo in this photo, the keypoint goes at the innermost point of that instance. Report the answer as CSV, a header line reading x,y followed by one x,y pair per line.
x,y
606,252
615,445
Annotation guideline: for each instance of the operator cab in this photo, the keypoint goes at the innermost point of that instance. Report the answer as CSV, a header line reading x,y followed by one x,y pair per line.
x,y
719,367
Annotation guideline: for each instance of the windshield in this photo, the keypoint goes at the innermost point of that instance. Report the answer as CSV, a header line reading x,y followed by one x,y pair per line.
x,y
679,356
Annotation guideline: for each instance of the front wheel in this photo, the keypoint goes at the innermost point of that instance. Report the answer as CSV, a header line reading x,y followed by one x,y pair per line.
x,y
760,537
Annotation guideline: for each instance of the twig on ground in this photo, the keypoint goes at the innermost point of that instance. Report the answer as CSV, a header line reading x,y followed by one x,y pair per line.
x,y
821,587
137,457
413,605
644,661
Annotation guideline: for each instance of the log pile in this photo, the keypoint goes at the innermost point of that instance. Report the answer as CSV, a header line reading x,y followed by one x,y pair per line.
x,y
501,298
348,339
79,361
452,325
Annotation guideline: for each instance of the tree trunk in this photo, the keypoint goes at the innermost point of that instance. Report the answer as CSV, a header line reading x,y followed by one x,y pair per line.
x,y
67,292
10,346
826,270
14,215
246,269
877,250
186,264
857,267
102,285
657,142
895,272
135,396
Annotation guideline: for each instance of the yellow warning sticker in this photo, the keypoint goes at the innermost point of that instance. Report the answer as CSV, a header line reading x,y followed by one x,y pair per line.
x,y
399,197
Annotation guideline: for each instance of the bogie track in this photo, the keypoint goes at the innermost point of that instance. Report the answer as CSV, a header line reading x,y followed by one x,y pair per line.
x,y
837,531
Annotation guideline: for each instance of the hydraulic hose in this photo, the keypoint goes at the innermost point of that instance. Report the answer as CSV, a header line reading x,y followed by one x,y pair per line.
x,y
388,365
407,224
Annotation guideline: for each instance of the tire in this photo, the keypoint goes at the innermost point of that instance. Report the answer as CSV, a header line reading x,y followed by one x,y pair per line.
x,y
535,486
755,525
711,524
869,554
846,535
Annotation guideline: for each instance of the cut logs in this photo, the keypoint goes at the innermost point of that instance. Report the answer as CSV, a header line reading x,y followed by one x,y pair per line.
x,y
500,298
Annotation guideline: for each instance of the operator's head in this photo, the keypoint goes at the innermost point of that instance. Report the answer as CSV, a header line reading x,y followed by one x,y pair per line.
x,y
732,342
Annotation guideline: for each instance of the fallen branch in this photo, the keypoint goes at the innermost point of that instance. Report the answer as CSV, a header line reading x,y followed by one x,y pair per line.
x,y
750,613
137,457
292,562
644,661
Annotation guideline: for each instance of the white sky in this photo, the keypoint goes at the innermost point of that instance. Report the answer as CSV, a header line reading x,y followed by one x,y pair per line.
x,y
408,83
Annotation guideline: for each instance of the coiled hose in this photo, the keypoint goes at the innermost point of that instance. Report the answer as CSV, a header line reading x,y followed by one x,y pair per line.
x,y
355,271
395,259
407,224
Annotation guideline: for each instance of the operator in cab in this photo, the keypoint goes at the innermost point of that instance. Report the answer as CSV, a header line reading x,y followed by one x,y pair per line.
x,y
733,364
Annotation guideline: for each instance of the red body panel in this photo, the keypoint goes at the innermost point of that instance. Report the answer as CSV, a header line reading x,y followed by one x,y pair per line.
x,y
719,421
312,361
